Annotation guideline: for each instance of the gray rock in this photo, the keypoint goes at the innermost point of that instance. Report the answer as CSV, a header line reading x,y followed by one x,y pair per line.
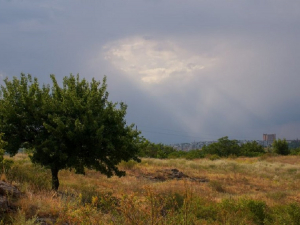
x,y
3,203
8,189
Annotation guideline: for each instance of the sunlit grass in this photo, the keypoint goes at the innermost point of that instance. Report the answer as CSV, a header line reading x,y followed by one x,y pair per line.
x,y
136,198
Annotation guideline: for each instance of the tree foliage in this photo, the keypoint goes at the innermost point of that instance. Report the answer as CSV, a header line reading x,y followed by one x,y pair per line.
x,y
294,144
224,147
2,143
281,147
73,126
295,151
5,164
153,150
251,149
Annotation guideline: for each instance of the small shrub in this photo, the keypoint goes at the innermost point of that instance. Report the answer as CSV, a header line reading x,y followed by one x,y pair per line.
x,y
132,211
36,176
217,186
285,214
107,202
194,154
74,212
230,212
5,164
20,219
295,151
87,192
258,210
174,201
293,210
128,165
213,157
177,154
206,210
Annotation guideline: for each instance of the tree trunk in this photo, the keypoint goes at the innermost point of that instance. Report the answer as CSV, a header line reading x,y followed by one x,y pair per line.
x,y
55,181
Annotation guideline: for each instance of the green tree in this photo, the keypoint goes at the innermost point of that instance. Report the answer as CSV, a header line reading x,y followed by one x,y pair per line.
x,y
178,154
252,149
224,147
73,126
153,150
194,154
281,147
3,161
294,144
295,151
2,143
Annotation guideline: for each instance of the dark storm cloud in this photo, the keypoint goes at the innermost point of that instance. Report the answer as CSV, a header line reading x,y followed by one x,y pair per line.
x,y
188,70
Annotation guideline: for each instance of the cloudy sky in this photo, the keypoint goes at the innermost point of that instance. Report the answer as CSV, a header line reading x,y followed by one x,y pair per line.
x,y
190,70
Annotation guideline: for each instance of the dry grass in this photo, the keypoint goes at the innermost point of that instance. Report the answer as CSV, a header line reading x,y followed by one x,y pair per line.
x,y
130,199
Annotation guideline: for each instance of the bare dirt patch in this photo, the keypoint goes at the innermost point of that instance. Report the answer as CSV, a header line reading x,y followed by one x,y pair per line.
x,y
172,174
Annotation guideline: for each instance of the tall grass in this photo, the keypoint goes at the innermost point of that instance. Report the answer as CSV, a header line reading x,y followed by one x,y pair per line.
x,y
239,191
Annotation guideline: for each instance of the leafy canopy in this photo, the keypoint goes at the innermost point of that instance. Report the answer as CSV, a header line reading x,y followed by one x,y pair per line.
x,y
281,147
252,149
223,148
73,126
152,150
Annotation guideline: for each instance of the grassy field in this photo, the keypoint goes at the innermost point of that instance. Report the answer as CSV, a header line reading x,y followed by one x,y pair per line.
x,y
262,190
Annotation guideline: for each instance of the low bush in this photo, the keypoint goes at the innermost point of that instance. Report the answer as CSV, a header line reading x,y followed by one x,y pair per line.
x,y
177,154
295,151
34,175
194,154
128,165
213,157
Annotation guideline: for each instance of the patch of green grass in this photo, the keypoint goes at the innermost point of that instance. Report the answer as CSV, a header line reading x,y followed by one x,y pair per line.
x,y
128,165
277,196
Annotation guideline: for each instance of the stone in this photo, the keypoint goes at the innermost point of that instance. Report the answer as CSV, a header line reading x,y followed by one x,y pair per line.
x,y
8,189
3,203
170,174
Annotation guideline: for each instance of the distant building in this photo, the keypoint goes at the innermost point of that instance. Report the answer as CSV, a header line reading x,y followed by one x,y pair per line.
x,y
268,139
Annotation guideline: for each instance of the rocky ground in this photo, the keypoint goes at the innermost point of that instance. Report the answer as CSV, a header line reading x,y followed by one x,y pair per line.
x,y
8,193
170,174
